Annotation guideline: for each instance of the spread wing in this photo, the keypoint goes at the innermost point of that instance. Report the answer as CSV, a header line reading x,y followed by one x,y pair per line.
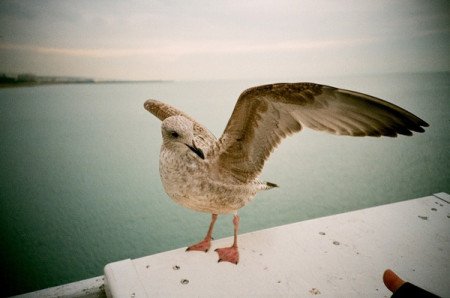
x,y
264,115
203,137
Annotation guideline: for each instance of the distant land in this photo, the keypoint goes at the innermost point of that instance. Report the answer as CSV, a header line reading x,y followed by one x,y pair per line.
x,y
24,80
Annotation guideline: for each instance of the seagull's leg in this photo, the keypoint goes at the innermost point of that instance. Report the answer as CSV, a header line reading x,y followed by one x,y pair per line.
x,y
205,244
231,254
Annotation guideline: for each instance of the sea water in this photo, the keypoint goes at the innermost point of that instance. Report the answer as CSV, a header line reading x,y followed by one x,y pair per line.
x,y
80,187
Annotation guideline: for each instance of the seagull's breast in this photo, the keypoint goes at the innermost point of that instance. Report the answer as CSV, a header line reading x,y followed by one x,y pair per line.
x,y
194,184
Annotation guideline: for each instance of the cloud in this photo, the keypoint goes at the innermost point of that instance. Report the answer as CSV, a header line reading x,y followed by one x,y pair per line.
x,y
180,48
117,39
78,52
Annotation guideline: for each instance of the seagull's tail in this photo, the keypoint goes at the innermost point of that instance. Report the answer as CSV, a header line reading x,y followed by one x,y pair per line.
x,y
265,185
269,185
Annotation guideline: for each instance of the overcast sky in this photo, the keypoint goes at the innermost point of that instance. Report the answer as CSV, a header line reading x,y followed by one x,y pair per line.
x,y
207,39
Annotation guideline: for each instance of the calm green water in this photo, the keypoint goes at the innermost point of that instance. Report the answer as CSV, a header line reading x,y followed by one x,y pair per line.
x,y
79,181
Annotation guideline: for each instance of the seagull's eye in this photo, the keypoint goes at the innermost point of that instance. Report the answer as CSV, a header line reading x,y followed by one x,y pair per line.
x,y
174,134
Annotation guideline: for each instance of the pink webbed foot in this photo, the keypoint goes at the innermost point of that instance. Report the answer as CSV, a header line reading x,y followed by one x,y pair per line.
x,y
203,245
228,254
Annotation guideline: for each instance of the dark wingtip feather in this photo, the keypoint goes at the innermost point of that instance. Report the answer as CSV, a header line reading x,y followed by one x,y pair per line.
x,y
388,132
423,123
403,131
418,129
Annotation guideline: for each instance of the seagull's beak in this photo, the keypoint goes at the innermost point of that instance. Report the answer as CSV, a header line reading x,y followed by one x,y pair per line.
x,y
196,150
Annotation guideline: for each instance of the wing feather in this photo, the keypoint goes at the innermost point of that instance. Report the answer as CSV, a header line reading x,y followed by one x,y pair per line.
x,y
265,115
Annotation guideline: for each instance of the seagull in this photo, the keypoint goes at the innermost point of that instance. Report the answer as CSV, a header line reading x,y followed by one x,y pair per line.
x,y
220,176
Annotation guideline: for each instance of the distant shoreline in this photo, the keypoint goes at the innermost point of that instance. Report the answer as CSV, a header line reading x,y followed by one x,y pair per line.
x,y
34,84
31,80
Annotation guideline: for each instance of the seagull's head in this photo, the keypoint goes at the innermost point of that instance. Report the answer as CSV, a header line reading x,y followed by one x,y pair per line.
x,y
178,135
